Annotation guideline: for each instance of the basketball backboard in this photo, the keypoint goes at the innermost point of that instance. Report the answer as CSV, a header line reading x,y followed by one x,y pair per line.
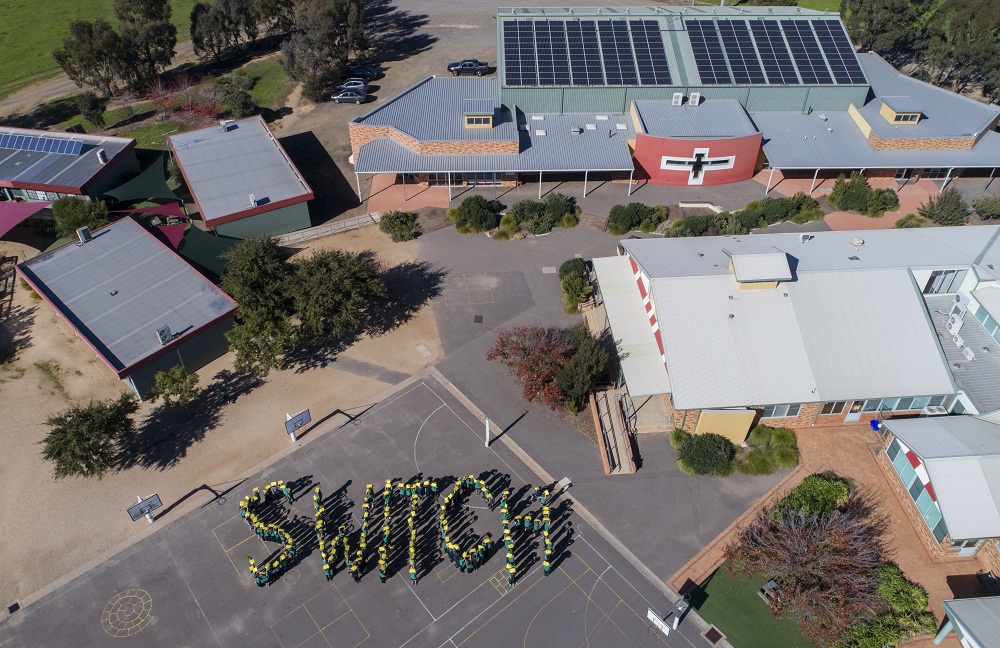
x,y
144,507
295,421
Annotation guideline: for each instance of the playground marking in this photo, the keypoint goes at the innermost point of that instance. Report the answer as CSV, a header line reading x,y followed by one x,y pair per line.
x,y
127,613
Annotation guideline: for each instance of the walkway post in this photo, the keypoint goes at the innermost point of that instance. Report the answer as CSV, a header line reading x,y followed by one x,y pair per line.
x,y
767,189
487,431
630,181
585,183
539,185
990,181
361,198
811,186
449,188
403,175
946,178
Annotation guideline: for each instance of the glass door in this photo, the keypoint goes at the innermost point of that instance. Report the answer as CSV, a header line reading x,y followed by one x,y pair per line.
x,y
854,414
965,547
903,175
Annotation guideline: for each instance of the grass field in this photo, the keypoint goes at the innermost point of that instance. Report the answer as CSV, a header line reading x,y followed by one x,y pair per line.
x,y
733,606
272,87
30,30
153,136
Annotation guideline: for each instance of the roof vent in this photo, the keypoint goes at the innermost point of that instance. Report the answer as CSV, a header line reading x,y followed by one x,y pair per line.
x,y
226,125
822,117
540,132
253,200
576,130
969,354
678,99
84,235
102,157
805,237
854,258
163,335
857,241
694,99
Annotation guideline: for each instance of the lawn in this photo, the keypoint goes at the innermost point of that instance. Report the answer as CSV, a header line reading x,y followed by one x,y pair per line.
x,y
31,30
272,88
733,606
154,136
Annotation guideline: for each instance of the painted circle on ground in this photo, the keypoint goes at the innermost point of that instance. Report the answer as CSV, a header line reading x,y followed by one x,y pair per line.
x,y
291,577
127,613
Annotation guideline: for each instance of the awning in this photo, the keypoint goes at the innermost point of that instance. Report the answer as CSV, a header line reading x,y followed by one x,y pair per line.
x,y
150,184
206,249
13,214
172,235
170,209
639,355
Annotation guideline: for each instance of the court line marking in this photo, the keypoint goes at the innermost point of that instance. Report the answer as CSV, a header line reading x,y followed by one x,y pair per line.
x,y
443,614
528,629
191,592
586,607
417,438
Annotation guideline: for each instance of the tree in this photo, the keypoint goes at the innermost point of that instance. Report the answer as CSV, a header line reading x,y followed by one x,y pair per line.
x,y
331,291
72,212
148,36
84,441
256,275
577,377
259,339
475,214
534,356
175,386
947,208
209,32
400,225
574,266
707,454
91,55
988,207
234,90
324,33
92,108
890,27
820,494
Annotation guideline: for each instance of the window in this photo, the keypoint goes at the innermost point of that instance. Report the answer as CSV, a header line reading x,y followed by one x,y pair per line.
x,y
781,411
836,407
904,404
917,489
871,405
940,530
944,281
477,121
906,117
935,174
935,401
920,402
893,450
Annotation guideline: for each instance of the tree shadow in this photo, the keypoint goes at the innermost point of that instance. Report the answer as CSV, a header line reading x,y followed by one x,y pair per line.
x,y
393,32
15,332
164,438
50,112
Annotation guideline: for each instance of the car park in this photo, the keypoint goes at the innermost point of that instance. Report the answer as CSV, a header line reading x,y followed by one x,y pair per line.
x,y
350,96
365,72
469,66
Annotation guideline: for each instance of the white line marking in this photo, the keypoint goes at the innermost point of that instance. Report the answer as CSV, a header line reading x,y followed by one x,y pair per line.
x,y
443,614
586,635
417,438
190,591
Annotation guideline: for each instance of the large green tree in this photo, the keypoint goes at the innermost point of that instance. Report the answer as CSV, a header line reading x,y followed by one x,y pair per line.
x,y
256,275
71,213
325,34
331,291
893,28
91,55
175,386
84,441
210,33
259,340
148,36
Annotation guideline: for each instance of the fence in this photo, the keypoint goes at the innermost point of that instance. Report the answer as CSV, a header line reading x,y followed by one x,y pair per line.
x,y
327,229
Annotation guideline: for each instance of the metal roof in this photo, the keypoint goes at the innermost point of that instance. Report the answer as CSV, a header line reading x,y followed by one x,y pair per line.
x,y
962,458
223,167
976,620
478,106
713,118
765,266
988,297
795,140
638,353
902,104
980,379
548,144
894,248
58,171
119,288
433,111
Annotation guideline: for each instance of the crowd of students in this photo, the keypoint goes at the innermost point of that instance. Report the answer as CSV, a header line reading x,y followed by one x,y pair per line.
x,y
272,570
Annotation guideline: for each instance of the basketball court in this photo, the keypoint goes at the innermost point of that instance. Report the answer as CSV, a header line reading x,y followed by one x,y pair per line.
x,y
188,583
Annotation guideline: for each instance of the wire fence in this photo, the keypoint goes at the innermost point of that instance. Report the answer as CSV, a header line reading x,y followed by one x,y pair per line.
x,y
327,229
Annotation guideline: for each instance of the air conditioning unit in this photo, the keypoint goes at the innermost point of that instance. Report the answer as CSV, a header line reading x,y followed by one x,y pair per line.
x,y
958,310
163,335
955,324
84,235
933,410
969,354
678,99
958,340
962,300
694,99
102,157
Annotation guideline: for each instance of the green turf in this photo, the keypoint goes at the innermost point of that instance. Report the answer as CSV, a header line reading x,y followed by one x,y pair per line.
x,y
31,29
272,88
733,606
153,137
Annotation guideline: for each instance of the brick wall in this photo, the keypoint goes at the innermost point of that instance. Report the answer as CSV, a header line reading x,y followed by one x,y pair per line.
x,y
989,556
921,143
806,419
361,135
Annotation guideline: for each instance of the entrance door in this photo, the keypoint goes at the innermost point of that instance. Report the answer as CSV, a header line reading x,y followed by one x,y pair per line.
x,y
903,175
483,179
854,414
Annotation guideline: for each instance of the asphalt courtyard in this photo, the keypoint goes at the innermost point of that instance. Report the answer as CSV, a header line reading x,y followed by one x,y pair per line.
x,y
188,584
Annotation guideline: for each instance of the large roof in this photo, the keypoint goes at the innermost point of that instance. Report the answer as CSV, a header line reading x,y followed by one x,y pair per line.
x,y
962,458
977,620
53,171
722,118
223,167
980,378
120,287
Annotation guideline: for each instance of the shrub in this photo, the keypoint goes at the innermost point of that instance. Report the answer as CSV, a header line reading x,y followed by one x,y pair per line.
x,y
902,594
855,194
947,208
625,218
575,291
500,234
568,220
881,201
707,454
988,207
820,494
685,467
577,377
541,223
400,225
910,220
508,225
698,224
770,449
526,210
757,462
572,266
475,214
558,206
677,437
72,212
807,215
92,108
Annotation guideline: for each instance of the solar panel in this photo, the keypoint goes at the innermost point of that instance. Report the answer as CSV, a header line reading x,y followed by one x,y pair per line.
x,y
616,47
551,52
708,54
839,52
584,53
774,56
74,147
40,144
805,51
650,55
511,54
739,48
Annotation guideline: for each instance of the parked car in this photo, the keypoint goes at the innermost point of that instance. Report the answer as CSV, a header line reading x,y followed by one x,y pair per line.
x,y
350,96
469,66
354,84
364,72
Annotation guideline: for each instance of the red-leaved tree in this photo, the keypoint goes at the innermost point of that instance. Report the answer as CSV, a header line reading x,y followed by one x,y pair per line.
x,y
824,565
534,355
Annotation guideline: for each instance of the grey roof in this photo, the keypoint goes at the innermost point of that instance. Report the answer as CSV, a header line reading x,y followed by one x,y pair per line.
x,y
945,113
120,287
902,104
222,168
962,457
896,248
433,110
795,140
977,620
713,118
979,379
638,353
989,297
56,169
478,106
548,144
812,339
763,266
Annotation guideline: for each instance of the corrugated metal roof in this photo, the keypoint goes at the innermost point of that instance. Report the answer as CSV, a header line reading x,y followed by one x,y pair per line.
x,y
638,352
895,248
433,111
902,104
976,619
57,169
989,297
948,437
795,140
120,287
980,379
478,106
766,266
713,118
685,10
945,113
222,168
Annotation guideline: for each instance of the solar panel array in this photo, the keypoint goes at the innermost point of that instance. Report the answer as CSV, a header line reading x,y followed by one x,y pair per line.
x,y
777,52
584,53
40,144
